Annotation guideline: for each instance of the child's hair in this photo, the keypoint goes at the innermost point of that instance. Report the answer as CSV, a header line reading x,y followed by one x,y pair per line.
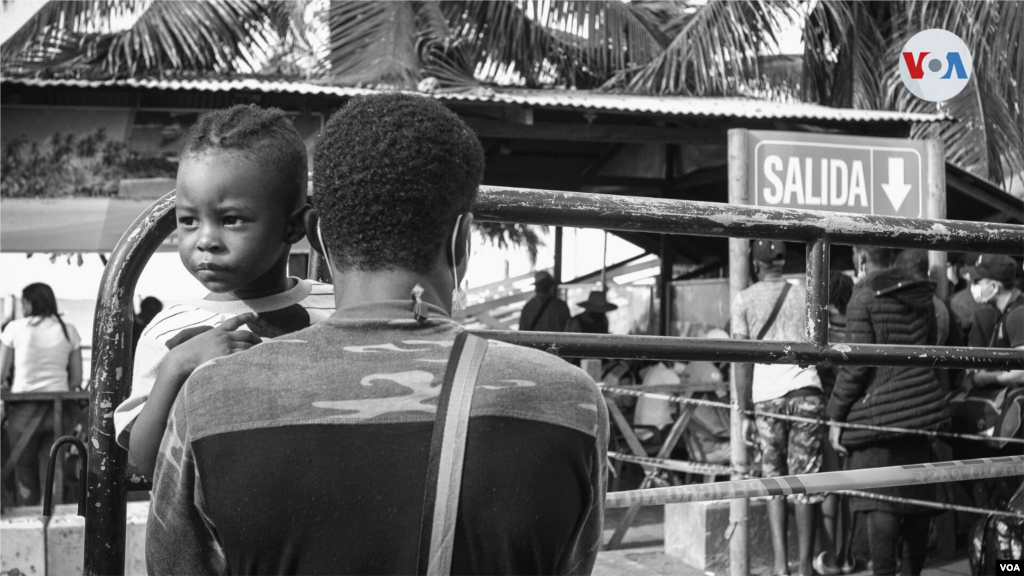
x,y
44,304
393,171
265,135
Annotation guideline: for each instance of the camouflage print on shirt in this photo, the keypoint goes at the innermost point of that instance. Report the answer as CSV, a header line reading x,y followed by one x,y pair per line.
x,y
788,447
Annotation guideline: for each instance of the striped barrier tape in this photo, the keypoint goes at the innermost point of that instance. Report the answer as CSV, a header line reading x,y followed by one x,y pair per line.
x,y
708,469
714,404
952,471
674,465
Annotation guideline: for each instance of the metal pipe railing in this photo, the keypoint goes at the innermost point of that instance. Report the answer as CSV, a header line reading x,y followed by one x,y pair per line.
x,y
112,366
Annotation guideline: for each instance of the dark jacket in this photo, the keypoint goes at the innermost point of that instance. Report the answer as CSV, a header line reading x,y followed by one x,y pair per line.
x,y
889,307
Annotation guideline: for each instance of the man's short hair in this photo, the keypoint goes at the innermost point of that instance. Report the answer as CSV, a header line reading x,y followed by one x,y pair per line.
x,y
264,136
391,174
915,261
881,257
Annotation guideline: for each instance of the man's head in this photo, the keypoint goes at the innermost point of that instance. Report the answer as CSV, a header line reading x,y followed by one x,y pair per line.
x,y
394,173
915,261
991,275
543,283
868,259
241,188
149,308
769,257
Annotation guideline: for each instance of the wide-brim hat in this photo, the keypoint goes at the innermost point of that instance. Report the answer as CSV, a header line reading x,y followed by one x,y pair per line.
x,y
597,302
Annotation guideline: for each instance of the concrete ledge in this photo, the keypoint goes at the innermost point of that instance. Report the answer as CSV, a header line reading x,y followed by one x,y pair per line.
x,y
36,545
695,533
23,541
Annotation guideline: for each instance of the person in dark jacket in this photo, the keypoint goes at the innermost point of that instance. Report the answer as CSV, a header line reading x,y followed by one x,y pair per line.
x,y
889,306
545,312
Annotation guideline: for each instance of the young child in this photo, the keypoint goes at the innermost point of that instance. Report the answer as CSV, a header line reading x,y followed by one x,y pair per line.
x,y
241,196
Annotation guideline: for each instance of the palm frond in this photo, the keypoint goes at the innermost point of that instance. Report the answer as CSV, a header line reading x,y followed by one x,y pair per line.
x,y
505,235
218,35
714,48
374,43
547,42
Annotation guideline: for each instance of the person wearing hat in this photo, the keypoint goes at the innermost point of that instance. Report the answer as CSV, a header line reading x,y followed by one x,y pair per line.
x,y
592,320
545,312
774,309
992,277
977,321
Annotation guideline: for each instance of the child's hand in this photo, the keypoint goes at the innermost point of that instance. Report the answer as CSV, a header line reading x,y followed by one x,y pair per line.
x,y
223,340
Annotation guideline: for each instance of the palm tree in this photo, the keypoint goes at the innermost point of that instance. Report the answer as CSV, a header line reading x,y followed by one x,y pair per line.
x,y
714,47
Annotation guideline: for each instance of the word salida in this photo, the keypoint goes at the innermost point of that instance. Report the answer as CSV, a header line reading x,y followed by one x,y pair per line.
x,y
840,184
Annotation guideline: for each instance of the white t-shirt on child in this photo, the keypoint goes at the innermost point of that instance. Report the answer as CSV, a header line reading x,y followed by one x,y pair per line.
x,y
41,353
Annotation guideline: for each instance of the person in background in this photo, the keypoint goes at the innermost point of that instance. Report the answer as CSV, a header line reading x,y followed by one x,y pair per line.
x,y
545,312
593,319
977,321
993,286
46,355
774,309
889,306
836,538
148,309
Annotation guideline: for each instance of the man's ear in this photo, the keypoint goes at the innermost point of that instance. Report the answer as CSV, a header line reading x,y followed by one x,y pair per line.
x,y
462,238
310,220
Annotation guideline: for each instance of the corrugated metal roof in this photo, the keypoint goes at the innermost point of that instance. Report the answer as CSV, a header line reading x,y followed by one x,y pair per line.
x,y
571,99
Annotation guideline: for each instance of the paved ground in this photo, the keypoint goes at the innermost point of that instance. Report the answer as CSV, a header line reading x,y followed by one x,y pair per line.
x,y
642,553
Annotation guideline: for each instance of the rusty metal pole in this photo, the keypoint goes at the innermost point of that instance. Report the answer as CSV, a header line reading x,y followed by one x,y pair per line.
x,y
936,210
739,278
817,292
558,257
111,382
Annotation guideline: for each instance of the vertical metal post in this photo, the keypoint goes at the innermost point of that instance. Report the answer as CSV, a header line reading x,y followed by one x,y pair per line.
x,y
665,288
111,381
936,208
817,292
58,431
739,278
558,257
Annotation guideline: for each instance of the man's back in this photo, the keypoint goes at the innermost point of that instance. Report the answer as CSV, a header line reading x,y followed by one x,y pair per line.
x,y
308,454
544,314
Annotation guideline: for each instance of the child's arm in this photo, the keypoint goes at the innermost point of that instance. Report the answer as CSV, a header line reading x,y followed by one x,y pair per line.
x,y
148,429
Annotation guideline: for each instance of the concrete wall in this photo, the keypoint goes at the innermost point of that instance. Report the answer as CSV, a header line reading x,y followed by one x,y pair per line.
x,y
55,546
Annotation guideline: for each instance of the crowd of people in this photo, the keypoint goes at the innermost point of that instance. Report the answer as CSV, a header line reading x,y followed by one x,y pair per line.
x,y
339,384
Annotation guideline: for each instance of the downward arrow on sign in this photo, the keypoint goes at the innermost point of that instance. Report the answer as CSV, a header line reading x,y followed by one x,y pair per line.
x,y
896,188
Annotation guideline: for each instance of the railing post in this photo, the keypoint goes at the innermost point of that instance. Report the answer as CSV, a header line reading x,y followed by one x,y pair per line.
x,y
111,381
936,209
817,292
739,278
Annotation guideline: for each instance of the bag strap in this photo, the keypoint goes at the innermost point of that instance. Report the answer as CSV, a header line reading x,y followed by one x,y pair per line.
x,y
447,453
775,311
540,313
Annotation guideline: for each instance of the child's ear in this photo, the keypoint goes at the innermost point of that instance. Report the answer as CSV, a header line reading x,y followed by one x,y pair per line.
x,y
297,225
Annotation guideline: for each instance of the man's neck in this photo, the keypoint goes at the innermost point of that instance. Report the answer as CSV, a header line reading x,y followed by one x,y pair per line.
x,y
355,287
1003,299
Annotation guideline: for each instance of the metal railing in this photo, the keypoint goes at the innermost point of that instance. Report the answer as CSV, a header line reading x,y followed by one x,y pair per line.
x,y
112,367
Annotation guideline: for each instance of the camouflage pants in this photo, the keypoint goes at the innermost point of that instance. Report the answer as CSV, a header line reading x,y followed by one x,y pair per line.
x,y
788,447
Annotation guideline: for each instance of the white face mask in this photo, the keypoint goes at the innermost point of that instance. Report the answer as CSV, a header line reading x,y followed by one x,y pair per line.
x,y
984,291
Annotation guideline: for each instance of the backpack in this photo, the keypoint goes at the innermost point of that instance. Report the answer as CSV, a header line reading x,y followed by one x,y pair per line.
x,y
997,538
999,409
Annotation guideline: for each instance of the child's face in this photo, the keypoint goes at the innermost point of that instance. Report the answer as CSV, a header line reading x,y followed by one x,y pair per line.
x,y
232,223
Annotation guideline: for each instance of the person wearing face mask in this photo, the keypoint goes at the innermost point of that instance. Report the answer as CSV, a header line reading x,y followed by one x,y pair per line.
x,y
313,453
889,306
977,321
992,277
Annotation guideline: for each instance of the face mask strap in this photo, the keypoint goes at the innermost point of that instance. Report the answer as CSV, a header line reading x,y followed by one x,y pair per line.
x,y
458,294
327,257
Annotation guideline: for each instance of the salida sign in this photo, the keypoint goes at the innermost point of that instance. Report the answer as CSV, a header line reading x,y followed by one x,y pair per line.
x,y
885,176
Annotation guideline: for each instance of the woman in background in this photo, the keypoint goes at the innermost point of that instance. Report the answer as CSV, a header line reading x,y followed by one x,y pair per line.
x,y
46,355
